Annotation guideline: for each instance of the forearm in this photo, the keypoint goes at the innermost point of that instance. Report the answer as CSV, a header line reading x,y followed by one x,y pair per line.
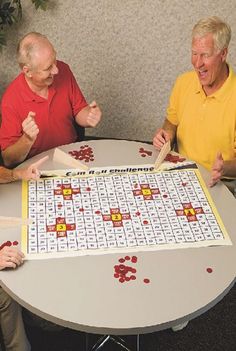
x,y
17,152
8,175
81,117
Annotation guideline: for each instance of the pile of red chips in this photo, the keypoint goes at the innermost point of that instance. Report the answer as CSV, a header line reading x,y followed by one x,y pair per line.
x,y
174,158
85,153
125,272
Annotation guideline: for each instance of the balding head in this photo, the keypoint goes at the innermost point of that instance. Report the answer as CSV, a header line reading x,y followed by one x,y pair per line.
x,y
30,46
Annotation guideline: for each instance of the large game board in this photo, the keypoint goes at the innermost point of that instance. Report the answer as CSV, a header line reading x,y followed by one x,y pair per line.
x,y
96,214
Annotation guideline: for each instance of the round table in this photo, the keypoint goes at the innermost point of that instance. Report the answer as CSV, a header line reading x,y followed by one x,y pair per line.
x,y
81,292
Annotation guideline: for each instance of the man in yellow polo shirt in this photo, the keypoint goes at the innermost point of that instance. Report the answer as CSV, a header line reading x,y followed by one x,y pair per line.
x,y
201,116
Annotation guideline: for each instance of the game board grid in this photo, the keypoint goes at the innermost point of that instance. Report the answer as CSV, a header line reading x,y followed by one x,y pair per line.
x,y
119,211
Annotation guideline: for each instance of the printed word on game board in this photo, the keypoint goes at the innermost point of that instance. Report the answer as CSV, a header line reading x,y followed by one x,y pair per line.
x,y
153,210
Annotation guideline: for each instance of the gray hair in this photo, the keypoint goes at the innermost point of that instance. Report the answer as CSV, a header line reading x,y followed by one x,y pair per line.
x,y
27,46
220,30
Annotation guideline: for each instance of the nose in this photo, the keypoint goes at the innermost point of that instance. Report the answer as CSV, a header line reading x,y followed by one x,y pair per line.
x,y
198,61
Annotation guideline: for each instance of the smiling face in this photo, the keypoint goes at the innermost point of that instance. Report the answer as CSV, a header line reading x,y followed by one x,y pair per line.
x,y
209,63
42,67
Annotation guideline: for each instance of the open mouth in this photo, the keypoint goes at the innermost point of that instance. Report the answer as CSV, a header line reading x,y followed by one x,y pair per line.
x,y
202,74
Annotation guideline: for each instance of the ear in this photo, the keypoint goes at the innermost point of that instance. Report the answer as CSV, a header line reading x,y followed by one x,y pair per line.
x,y
224,54
27,71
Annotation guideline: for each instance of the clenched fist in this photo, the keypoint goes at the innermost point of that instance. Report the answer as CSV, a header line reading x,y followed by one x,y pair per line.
x,y
29,126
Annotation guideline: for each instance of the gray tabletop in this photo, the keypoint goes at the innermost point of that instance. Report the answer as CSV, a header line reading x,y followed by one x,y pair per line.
x,y
81,292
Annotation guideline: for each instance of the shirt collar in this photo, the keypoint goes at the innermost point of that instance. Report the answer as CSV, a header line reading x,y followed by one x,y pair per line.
x,y
28,95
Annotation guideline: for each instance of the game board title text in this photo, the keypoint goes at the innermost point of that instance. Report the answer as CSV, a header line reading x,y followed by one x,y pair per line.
x,y
112,170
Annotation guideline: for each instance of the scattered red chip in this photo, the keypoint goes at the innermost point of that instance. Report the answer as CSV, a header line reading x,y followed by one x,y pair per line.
x,y
145,222
165,195
127,258
209,270
15,243
146,281
132,277
134,259
144,152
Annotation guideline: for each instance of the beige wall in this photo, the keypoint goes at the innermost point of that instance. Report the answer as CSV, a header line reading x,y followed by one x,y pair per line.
x,y
125,54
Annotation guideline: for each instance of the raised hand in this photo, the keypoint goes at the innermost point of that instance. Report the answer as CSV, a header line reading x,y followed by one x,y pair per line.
x,y
29,127
217,170
160,138
31,172
94,115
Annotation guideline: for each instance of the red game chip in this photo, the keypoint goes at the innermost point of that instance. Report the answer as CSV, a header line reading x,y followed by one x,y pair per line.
x,y
209,270
133,277
146,281
134,259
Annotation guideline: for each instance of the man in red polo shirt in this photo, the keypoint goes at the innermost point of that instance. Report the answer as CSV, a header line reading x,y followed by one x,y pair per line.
x,y
42,105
